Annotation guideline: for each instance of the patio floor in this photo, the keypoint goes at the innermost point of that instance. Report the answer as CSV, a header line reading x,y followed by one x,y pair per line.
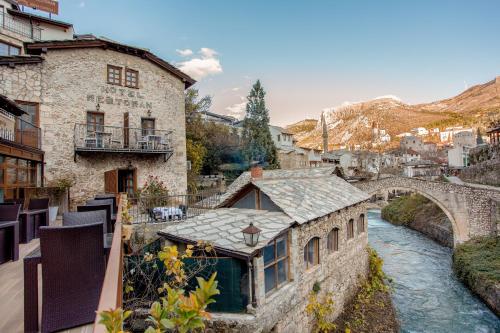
x,y
12,294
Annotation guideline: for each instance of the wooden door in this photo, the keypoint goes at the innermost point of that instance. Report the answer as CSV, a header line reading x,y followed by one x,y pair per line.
x,y
111,181
125,130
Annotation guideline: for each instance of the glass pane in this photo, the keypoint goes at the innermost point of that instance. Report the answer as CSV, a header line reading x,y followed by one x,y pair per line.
x,y
269,254
282,271
310,252
11,175
305,256
4,49
31,110
14,50
270,278
281,247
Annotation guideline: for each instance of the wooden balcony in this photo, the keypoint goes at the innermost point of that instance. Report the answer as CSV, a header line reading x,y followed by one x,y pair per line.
x,y
115,139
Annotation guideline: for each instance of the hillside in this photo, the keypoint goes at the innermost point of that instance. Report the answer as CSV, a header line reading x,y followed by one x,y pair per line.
x,y
351,123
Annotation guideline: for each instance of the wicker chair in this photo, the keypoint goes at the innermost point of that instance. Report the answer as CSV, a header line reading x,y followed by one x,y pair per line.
x,y
72,275
106,207
83,218
9,232
35,216
109,202
108,196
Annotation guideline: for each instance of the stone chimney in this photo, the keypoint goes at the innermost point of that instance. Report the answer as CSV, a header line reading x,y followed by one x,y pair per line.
x,y
256,172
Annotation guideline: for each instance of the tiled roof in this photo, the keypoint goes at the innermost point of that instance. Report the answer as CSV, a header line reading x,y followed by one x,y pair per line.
x,y
305,199
245,178
223,228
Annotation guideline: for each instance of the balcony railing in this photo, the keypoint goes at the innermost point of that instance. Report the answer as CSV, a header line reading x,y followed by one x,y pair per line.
x,y
23,28
99,138
20,131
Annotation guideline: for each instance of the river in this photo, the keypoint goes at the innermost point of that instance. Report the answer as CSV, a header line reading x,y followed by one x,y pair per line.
x,y
427,296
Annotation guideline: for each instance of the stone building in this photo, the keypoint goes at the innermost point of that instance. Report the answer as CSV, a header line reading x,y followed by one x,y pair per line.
x,y
313,231
110,114
289,155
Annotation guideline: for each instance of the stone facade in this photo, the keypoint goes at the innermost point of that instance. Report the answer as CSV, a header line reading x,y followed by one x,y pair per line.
x,y
470,209
339,272
68,83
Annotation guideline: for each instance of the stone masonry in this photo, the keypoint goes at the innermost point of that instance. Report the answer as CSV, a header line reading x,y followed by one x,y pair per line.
x,y
471,210
68,83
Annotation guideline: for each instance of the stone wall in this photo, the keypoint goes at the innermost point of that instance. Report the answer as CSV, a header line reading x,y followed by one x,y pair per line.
x,y
71,82
340,272
468,208
486,173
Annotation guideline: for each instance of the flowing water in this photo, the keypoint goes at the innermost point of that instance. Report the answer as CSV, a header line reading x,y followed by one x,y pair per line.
x,y
427,296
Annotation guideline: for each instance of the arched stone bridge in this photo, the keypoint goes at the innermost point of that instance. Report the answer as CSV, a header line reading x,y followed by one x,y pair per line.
x,y
473,211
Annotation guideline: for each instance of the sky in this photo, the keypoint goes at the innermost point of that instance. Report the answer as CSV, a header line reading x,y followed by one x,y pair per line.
x,y
309,55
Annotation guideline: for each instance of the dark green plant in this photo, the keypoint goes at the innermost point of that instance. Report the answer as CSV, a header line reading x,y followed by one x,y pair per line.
x,y
316,287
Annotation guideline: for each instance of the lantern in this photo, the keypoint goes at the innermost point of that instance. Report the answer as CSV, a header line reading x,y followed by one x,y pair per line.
x,y
251,235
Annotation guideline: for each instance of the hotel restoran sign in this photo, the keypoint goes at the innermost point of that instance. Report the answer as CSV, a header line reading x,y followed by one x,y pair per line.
x,y
50,6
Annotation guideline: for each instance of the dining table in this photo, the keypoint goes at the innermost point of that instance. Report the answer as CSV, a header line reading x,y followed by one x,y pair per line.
x,y
27,224
31,262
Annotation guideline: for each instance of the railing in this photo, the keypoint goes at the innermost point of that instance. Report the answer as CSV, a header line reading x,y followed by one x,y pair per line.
x,y
112,287
94,137
23,28
20,131
171,208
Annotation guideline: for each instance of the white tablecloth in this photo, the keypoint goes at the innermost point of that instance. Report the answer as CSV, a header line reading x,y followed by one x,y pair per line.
x,y
168,213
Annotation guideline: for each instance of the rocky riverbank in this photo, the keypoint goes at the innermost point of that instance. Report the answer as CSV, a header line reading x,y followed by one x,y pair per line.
x,y
419,213
372,309
477,264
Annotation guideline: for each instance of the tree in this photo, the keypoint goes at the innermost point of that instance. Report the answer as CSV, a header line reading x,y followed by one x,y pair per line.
x,y
258,145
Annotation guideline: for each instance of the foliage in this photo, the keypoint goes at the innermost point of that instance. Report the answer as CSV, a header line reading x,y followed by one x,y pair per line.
x,y
316,287
61,184
113,320
183,313
257,141
402,210
321,311
153,187
196,154
478,261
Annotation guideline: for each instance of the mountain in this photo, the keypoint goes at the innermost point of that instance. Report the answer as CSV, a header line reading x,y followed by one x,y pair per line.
x,y
351,123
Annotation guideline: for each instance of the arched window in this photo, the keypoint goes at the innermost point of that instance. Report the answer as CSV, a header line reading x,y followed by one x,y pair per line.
x,y
361,224
333,240
311,253
350,229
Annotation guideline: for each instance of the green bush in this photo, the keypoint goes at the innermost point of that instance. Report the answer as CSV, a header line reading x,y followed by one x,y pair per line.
x,y
401,211
478,261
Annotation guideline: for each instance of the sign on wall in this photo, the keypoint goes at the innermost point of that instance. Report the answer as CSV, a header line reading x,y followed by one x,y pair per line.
x,y
50,6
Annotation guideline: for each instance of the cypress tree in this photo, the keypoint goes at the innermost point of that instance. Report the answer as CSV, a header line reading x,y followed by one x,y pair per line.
x,y
258,145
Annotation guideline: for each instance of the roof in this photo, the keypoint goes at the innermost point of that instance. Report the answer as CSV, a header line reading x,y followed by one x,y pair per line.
x,y
12,61
10,106
223,228
221,116
282,130
493,130
422,163
306,199
245,178
90,41
39,18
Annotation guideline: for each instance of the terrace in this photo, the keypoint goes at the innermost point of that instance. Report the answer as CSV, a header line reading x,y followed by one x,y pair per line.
x,y
20,27
14,129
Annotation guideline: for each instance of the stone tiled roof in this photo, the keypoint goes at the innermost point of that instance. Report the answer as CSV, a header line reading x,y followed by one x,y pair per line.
x,y
245,178
305,199
223,228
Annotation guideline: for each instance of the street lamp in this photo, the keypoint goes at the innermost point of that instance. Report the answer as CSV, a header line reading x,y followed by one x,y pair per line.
x,y
251,235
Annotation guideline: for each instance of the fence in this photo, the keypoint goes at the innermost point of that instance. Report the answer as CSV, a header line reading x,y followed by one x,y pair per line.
x,y
23,28
158,209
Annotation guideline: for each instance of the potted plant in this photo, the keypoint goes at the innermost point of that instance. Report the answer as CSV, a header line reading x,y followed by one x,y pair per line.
x,y
59,188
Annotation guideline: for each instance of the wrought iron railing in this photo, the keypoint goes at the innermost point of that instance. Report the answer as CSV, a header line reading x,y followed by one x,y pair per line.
x,y
23,28
94,137
171,208
21,132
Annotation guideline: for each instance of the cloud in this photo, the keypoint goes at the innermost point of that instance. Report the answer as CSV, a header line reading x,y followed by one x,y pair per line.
x,y
206,64
81,4
185,53
237,110
235,89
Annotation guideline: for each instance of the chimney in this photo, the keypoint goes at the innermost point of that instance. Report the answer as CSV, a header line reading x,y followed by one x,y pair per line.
x,y
256,172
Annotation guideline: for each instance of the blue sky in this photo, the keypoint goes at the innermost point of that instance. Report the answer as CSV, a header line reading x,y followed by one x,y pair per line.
x,y
309,55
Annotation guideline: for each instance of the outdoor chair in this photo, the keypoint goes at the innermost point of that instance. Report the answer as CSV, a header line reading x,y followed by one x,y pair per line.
x,y
108,196
109,202
106,207
140,140
73,268
9,232
165,142
90,140
83,218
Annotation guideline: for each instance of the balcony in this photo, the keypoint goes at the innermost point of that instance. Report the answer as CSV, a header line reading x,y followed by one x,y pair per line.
x,y
16,130
115,139
22,28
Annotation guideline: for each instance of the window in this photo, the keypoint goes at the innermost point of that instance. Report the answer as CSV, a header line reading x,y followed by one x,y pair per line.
x,y
131,78
114,75
279,138
276,259
148,126
31,109
9,50
311,253
333,240
350,229
361,224
95,122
